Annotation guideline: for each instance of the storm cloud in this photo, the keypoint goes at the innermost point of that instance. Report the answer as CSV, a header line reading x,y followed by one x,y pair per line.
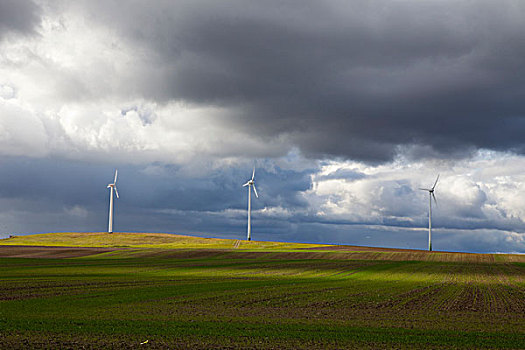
x,y
356,79
345,109
19,17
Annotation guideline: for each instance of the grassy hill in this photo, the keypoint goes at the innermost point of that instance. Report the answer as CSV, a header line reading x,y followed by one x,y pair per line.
x,y
143,240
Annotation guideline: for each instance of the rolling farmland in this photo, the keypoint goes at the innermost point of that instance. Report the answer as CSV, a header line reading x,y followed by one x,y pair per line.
x,y
184,292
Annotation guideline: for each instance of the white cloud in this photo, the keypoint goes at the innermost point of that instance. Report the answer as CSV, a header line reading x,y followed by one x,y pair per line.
x,y
7,92
75,90
274,212
484,191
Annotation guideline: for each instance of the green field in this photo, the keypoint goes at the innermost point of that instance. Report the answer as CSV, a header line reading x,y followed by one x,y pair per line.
x,y
201,293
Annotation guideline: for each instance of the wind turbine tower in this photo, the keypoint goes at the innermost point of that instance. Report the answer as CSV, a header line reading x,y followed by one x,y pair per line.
x,y
112,187
430,196
250,184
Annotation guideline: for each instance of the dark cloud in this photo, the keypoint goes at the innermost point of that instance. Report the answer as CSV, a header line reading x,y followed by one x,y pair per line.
x,y
60,194
49,195
18,16
343,79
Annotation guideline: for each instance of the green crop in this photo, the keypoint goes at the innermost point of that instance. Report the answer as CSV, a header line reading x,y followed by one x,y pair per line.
x,y
266,298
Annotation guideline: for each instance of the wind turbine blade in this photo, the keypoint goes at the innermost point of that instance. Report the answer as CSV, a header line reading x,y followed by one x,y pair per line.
x,y
435,183
424,189
116,173
434,196
116,192
255,191
253,174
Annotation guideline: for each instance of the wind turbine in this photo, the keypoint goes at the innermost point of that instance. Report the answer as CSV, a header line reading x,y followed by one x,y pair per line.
x,y
250,183
430,196
112,187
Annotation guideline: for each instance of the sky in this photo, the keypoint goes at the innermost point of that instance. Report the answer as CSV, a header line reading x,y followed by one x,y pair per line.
x,y
345,109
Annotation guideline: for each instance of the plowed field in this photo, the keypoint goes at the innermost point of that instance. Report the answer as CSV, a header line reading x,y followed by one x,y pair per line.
x,y
206,298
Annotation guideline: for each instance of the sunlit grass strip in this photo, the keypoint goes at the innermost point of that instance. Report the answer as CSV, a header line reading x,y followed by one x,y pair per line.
x,y
149,240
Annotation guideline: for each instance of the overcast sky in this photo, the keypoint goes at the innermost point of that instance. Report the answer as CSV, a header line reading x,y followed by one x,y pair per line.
x,y
345,109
